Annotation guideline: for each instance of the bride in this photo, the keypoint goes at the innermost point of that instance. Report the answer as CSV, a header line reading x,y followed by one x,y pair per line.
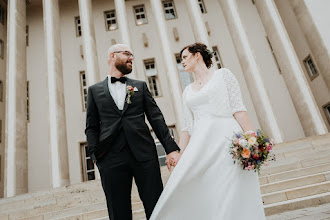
x,y
205,184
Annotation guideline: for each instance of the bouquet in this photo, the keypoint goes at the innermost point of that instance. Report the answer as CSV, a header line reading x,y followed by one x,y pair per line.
x,y
251,149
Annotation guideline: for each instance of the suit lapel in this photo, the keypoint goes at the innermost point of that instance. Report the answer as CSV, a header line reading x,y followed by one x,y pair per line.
x,y
129,82
108,95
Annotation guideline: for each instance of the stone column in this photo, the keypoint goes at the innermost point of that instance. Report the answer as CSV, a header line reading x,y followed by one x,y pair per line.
x,y
293,74
168,56
88,34
57,122
251,71
16,166
121,14
197,21
313,37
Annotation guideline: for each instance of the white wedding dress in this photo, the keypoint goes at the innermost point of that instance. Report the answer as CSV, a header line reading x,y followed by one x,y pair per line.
x,y
206,184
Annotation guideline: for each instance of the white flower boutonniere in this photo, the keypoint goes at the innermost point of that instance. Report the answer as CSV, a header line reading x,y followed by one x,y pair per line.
x,y
130,92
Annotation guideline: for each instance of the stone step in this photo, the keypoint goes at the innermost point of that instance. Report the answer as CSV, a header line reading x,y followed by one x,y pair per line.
x,y
294,173
299,144
139,215
295,182
4,216
294,193
84,186
66,204
299,203
52,202
41,199
56,202
300,147
304,154
91,211
282,166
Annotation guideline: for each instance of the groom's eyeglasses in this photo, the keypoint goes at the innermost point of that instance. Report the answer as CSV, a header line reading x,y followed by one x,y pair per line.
x,y
126,53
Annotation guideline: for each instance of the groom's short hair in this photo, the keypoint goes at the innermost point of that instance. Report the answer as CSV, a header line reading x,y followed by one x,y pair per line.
x,y
113,48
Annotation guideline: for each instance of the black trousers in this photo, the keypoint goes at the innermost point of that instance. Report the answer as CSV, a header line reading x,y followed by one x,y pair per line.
x,y
117,171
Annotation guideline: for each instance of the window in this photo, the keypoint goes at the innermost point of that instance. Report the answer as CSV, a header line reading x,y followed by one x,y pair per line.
x,y
159,147
28,101
2,49
27,35
1,91
140,15
218,61
274,56
110,20
169,10
78,26
202,6
88,166
311,68
185,78
2,15
84,87
151,73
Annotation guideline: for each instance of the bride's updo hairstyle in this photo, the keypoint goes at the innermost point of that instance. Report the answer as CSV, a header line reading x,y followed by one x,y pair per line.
x,y
202,49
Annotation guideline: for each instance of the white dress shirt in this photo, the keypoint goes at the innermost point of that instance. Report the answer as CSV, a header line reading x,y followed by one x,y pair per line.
x,y
118,92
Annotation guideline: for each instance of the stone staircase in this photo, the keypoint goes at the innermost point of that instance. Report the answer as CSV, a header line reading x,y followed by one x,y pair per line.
x,y
299,178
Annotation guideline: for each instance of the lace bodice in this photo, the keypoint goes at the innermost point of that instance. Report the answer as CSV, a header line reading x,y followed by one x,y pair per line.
x,y
220,97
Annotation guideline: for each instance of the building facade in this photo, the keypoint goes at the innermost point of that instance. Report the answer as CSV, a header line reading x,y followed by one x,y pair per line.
x,y
52,50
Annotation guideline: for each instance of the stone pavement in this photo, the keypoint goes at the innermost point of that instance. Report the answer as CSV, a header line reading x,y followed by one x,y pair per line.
x,y
320,212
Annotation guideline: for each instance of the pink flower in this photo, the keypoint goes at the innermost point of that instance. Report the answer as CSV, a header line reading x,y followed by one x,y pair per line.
x,y
269,148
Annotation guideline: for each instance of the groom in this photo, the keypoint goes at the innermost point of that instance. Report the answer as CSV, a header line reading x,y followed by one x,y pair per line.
x,y
119,140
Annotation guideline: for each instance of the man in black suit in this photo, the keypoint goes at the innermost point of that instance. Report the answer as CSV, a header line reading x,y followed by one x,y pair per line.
x,y
119,140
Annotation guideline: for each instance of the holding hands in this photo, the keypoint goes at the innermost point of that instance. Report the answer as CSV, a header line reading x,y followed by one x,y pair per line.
x,y
172,159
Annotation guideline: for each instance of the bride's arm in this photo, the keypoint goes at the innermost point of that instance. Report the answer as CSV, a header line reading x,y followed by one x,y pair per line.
x,y
236,102
184,140
243,120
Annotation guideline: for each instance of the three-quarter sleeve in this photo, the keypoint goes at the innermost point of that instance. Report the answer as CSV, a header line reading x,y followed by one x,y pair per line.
x,y
234,92
188,119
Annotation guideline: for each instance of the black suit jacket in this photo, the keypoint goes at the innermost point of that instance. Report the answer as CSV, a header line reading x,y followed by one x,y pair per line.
x,y
104,122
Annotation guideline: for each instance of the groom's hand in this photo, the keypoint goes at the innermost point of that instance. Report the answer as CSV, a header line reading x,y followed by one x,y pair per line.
x,y
172,159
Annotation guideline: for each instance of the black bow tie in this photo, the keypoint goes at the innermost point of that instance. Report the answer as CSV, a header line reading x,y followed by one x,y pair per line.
x,y
121,79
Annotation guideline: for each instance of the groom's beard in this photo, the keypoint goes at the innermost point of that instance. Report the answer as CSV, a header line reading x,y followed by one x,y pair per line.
x,y
123,66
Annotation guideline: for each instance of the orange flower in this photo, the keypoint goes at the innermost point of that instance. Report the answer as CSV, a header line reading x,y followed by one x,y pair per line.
x,y
245,153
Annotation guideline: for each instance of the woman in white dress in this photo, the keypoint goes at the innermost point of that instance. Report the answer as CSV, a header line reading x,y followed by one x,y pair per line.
x,y
205,184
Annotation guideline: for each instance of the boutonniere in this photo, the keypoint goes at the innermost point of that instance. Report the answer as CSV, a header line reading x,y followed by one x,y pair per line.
x,y
130,92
